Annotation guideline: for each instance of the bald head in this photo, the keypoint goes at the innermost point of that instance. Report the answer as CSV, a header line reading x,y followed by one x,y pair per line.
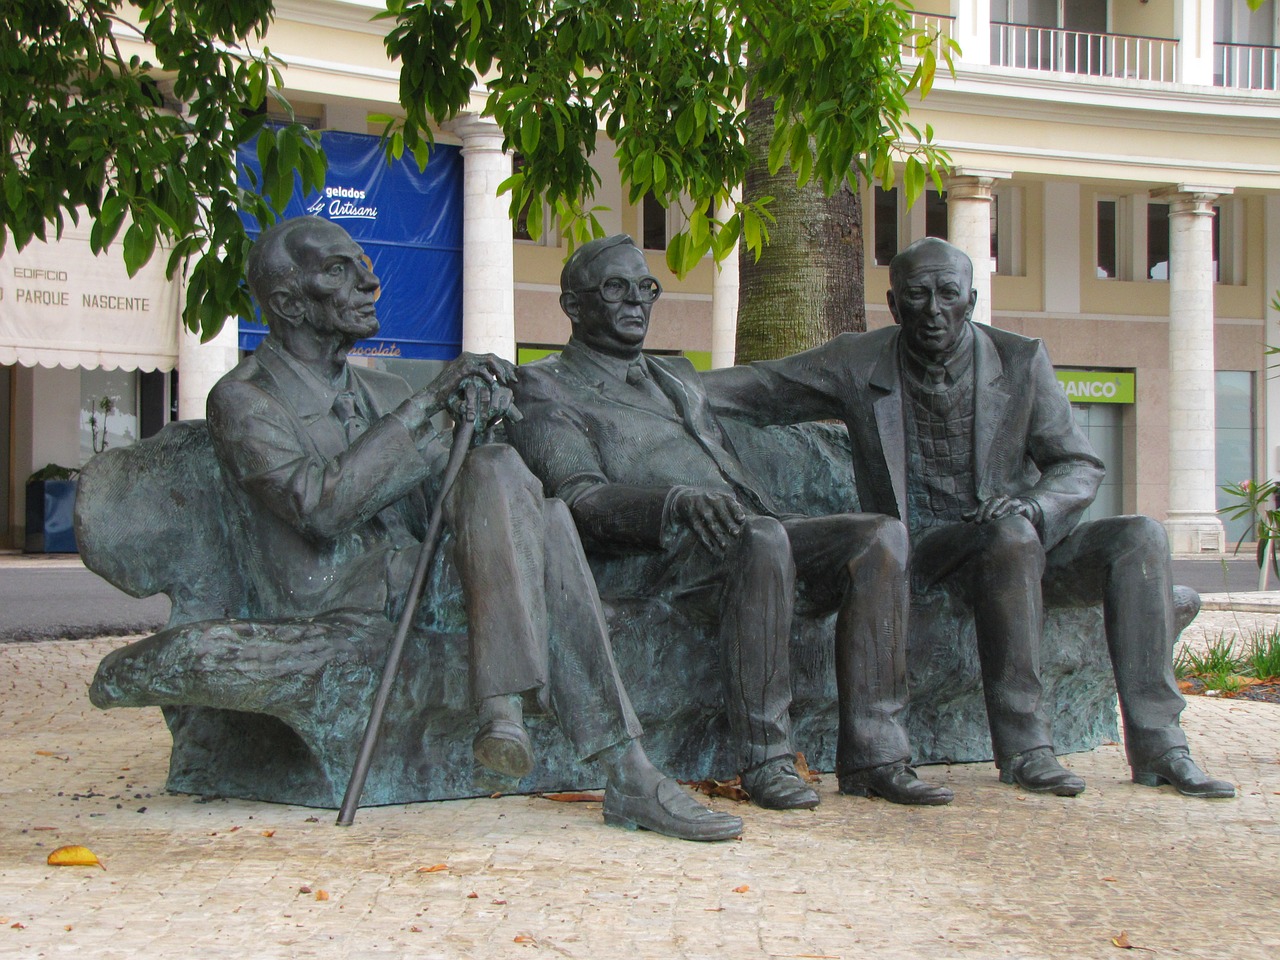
x,y
929,250
577,269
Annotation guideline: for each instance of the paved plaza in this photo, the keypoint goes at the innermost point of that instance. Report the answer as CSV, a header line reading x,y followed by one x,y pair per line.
x,y
1000,873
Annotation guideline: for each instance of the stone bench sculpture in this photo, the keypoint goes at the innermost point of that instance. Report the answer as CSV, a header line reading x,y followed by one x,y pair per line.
x,y
260,708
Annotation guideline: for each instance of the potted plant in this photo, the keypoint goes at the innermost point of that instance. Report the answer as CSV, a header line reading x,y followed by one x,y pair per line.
x,y
51,501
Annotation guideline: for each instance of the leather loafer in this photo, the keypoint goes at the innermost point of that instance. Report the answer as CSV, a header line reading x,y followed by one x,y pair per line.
x,y
1039,771
895,782
503,746
669,811
775,785
1178,769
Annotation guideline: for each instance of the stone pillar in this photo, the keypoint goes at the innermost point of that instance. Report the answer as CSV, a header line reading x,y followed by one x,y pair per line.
x,y
488,264
1193,26
724,302
201,365
1193,522
969,227
972,29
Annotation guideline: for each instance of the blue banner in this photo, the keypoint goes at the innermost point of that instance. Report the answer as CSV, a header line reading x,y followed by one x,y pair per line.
x,y
408,222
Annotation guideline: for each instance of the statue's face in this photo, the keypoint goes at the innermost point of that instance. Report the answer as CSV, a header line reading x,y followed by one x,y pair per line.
x,y
617,328
932,298
337,286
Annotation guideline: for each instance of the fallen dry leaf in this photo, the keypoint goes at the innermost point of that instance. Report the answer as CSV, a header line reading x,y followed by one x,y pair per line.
x,y
67,928
17,926
742,889
1122,941
1110,880
304,889
268,833
51,753
573,797
473,895
802,768
44,828
434,868
729,789
523,938
322,895
415,929
500,903
74,856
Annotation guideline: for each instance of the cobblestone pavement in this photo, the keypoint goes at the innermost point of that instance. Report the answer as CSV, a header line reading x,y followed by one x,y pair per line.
x,y
1000,873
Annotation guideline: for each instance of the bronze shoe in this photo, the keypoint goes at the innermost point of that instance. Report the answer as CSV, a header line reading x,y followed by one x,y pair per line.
x,y
1039,771
1178,769
775,785
669,811
503,746
895,782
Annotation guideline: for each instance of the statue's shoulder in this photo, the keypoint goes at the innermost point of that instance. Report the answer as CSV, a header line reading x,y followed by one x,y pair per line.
x,y
1012,347
381,384
545,379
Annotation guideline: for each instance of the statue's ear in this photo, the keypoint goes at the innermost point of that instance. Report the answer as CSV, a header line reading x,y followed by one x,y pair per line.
x,y
285,306
893,307
973,302
569,304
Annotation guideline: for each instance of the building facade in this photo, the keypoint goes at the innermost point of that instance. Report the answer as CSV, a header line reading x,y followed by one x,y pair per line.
x,y
1115,174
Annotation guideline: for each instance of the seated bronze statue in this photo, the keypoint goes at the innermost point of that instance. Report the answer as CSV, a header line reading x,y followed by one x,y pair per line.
x,y
962,431
629,443
325,465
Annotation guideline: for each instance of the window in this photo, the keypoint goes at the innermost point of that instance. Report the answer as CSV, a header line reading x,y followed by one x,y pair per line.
x,y
1107,239
108,410
1157,241
1234,415
935,214
653,223
1007,255
885,213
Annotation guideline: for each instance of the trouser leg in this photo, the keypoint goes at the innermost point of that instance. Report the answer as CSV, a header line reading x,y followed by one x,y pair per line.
x,y
997,568
857,564
756,604
586,692
1124,562
495,512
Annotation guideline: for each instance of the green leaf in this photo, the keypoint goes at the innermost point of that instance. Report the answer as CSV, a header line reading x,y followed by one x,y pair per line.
x,y
139,244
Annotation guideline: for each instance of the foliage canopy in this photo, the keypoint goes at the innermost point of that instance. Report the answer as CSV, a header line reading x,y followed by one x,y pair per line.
x,y
668,81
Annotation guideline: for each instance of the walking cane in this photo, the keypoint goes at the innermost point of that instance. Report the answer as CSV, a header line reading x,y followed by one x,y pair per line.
x,y
351,800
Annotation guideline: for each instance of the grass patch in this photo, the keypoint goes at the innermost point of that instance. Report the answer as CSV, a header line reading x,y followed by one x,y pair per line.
x,y
1217,659
1262,655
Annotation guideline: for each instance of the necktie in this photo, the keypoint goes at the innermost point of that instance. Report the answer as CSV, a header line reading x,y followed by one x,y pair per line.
x,y
344,405
639,378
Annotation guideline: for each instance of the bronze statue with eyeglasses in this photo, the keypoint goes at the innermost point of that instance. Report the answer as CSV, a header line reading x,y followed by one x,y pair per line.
x,y
629,442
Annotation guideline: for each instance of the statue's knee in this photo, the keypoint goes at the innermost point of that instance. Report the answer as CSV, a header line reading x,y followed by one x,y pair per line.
x,y
497,465
880,539
1012,538
762,537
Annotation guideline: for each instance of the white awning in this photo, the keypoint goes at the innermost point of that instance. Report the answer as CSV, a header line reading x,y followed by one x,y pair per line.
x,y
60,306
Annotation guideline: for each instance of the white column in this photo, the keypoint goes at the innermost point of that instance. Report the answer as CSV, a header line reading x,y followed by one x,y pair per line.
x,y
969,227
201,365
724,301
1270,466
1193,26
972,29
1193,522
488,263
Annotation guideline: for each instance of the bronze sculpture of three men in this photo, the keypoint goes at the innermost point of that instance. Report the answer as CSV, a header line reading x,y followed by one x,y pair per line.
x,y
963,446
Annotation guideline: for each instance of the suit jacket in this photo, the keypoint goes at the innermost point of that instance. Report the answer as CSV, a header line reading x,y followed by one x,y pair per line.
x,y
319,523
614,454
1026,442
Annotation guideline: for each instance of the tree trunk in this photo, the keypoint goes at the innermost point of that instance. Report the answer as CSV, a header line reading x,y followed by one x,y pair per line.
x,y
808,284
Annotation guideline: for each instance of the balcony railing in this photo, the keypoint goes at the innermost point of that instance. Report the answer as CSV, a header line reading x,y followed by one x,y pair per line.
x,y
1245,67
931,25
1084,54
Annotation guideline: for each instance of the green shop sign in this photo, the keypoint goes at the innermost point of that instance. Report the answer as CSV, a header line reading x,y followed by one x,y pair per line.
x,y
1097,386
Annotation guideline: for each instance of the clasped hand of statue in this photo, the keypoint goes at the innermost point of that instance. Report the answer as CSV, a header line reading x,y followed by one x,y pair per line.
x,y
993,508
472,387
714,517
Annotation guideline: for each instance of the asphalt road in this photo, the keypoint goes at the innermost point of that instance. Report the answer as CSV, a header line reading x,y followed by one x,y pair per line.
x,y
47,599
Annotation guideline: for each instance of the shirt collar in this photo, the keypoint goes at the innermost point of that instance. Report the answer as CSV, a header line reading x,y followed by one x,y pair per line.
x,y
615,367
954,366
326,390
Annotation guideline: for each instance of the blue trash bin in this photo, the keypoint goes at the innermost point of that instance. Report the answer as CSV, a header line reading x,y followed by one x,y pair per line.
x,y
51,508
